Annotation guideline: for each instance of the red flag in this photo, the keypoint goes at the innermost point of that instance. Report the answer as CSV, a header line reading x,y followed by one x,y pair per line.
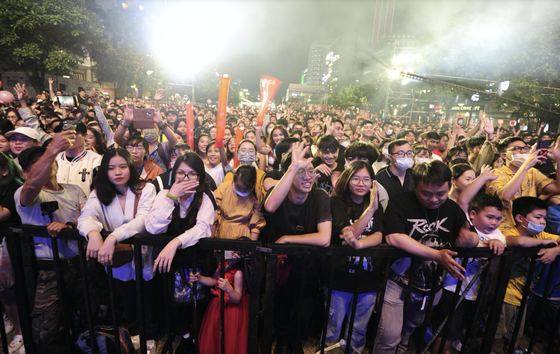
x,y
222,110
269,86
190,125
238,138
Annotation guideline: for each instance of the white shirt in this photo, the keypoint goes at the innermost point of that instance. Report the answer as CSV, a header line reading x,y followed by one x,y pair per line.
x,y
97,216
79,171
473,265
162,211
217,173
69,200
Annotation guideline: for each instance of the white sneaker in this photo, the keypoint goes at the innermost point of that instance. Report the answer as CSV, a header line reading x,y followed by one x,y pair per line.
x,y
16,345
136,342
151,346
8,325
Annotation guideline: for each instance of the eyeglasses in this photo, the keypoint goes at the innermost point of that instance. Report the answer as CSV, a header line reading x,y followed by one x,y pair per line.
x,y
519,149
191,176
132,147
356,180
404,154
307,173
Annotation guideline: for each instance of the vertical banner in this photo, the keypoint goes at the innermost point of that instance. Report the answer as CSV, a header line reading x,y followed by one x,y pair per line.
x,y
269,86
190,124
238,138
222,110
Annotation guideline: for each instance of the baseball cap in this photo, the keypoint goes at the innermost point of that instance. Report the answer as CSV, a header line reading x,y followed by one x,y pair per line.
x,y
28,132
80,127
28,154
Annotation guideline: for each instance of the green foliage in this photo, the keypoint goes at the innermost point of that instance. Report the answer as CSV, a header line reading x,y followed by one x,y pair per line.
x,y
351,96
37,36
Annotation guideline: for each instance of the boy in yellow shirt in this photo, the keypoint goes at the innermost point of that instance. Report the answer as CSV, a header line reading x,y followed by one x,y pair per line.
x,y
530,220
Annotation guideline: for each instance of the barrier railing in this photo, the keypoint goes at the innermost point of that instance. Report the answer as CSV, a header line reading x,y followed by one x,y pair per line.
x,y
263,267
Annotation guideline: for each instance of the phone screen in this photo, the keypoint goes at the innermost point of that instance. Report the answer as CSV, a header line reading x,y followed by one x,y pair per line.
x,y
460,121
542,150
67,102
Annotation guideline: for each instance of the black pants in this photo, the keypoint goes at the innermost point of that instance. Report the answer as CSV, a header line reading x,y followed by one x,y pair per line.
x,y
287,299
128,294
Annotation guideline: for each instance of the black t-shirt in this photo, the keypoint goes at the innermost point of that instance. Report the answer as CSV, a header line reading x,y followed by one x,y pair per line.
x,y
346,268
392,183
292,219
7,201
324,181
431,227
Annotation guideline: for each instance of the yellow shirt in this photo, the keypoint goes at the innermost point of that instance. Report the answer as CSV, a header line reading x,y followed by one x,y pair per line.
x,y
532,185
518,275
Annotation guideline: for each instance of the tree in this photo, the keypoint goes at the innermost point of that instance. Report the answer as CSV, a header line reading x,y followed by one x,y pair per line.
x,y
39,36
351,96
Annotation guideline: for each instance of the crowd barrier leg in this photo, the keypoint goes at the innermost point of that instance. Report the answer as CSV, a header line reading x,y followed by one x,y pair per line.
x,y
116,332
18,248
552,348
541,312
350,324
222,304
506,263
68,328
86,295
139,293
194,329
430,307
166,299
254,294
327,308
525,297
270,288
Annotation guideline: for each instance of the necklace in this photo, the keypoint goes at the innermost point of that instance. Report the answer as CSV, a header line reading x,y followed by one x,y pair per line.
x,y
428,219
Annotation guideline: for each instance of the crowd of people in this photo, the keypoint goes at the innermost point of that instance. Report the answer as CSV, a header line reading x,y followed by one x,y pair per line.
x,y
311,175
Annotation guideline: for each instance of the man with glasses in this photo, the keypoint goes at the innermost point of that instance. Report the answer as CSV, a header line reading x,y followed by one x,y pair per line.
x,y
297,212
138,148
518,177
397,177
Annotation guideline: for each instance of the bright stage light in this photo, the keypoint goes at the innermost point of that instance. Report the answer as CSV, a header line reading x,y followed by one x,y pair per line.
x,y
185,37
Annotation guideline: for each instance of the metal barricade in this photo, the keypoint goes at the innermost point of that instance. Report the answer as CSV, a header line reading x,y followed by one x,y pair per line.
x,y
263,259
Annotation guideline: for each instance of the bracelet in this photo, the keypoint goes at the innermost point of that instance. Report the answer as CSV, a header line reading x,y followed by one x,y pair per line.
x,y
163,126
172,197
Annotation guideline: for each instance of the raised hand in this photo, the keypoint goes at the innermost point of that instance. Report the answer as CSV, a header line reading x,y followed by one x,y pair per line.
x,y
373,197
555,150
532,158
486,123
21,92
299,161
50,80
159,95
487,173
62,141
157,117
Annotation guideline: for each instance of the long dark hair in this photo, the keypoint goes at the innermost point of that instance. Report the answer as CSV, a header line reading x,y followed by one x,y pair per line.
x,y
177,122
198,139
106,190
100,146
342,188
195,162
14,176
270,141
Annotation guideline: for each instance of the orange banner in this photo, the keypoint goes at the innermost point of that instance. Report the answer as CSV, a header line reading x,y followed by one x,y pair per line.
x,y
222,110
190,125
269,86
238,138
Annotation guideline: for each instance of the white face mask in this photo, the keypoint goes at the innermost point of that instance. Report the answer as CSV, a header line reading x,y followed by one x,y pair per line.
x,y
518,159
403,163
386,152
242,195
389,131
345,144
422,159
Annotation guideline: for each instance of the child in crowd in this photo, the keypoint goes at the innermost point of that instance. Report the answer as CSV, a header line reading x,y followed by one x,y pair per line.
x,y
325,163
236,312
217,165
485,215
530,221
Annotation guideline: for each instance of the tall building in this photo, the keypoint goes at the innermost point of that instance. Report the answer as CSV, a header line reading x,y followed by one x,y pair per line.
x,y
345,61
316,65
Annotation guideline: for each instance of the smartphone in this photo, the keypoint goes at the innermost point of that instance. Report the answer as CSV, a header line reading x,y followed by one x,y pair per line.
x,y
68,102
143,118
525,128
460,121
542,150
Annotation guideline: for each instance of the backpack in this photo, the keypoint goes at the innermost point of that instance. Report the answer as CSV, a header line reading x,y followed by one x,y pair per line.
x,y
105,341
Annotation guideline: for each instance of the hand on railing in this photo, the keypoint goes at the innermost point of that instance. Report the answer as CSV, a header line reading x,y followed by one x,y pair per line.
x,y
165,257
54,228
